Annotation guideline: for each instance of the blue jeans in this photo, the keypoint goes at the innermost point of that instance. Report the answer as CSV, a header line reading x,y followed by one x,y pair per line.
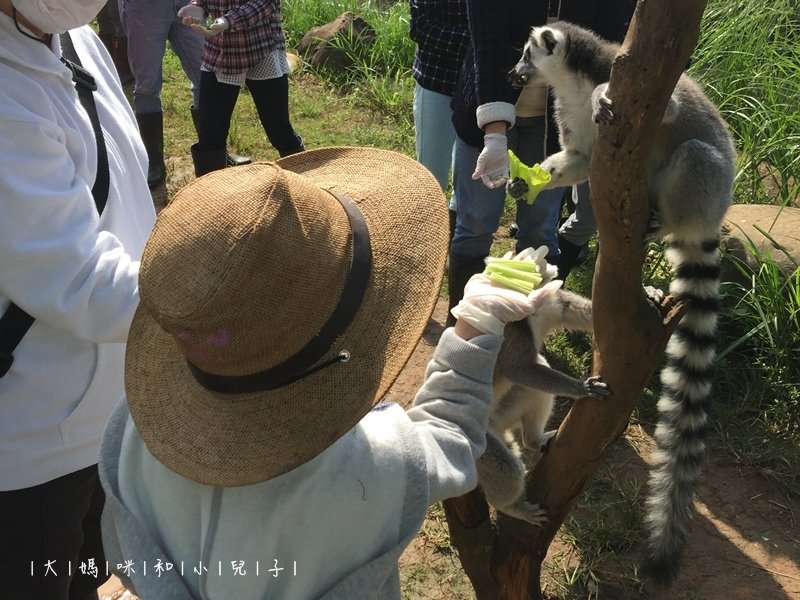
x,y
435,135
480,208
148,25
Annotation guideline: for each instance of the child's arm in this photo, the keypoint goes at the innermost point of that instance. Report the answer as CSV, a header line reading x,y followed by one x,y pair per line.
x,y
451,409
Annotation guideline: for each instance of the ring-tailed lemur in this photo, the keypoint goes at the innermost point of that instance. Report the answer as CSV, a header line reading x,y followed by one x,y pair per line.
x,y
689,183
525,387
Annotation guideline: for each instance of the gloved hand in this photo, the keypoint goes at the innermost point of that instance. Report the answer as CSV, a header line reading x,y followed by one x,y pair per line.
x,y
488,306
218,26
492,165
191,14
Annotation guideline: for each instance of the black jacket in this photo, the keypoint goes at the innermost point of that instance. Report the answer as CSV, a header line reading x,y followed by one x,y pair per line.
x,y
499,30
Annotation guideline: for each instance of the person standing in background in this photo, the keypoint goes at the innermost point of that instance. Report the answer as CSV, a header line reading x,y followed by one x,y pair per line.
x,y
245,45
441,31
75,212
490,117
149,24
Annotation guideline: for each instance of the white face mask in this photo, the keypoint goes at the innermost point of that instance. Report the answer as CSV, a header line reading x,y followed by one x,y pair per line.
x,y
58,16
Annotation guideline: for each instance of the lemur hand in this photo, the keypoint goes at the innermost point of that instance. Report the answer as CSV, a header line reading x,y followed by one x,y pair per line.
x,y
488,306
492,165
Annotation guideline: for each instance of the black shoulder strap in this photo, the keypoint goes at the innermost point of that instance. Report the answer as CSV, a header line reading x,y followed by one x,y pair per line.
x,y
15,322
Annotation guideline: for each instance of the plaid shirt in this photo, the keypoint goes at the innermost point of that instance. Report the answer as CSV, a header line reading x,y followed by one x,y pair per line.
x,y
439,27
255,30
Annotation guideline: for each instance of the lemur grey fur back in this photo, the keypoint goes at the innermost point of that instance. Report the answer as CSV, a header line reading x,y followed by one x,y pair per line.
x,y
689,181
524,390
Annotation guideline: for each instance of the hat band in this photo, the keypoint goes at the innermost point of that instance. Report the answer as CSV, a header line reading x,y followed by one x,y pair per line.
x,y
302,363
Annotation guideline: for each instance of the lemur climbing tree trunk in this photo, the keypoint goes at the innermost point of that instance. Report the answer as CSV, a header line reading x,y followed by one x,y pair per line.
x,y
503,560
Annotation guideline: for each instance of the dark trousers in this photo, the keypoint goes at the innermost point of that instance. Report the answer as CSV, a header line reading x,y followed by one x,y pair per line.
x,y
271,97
57,524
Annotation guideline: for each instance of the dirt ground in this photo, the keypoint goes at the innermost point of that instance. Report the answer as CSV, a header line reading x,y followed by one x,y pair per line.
x,y
744,545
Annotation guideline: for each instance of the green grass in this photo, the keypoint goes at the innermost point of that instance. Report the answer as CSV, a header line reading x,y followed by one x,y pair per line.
x,y
748,60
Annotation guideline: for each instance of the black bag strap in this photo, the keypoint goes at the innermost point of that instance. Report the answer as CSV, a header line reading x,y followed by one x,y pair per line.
x,y
15,322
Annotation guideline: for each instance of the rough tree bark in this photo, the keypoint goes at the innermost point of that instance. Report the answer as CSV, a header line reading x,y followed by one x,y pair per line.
x,y
503,559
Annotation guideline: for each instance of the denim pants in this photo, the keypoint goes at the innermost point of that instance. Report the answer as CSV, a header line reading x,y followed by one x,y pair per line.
x,y
435,135
480,208
271,97
148,25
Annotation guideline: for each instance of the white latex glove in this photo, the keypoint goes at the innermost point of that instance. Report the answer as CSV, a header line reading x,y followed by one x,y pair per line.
x,y
488,306
192,14
492,165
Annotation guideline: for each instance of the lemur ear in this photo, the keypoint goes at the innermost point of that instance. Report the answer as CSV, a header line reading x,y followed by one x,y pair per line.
x,y
549,40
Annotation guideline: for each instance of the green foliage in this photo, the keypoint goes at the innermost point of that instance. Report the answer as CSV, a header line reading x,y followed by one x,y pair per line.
x,y
748,61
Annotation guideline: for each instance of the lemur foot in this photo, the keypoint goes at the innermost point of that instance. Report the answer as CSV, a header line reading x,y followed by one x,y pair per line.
x,y
654,294
595,388
517,188
535,514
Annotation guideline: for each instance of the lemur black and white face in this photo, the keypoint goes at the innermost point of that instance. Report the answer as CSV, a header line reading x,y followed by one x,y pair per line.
x,y
545,45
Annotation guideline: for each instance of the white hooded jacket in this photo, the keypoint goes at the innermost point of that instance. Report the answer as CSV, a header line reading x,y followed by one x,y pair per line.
x,y
74,272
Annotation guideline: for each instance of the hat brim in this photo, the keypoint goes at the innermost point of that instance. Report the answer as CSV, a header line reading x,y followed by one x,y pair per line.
x,y
232,440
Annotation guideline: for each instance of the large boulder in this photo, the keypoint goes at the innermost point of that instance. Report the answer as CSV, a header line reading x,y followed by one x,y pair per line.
x,y
334,45
742,229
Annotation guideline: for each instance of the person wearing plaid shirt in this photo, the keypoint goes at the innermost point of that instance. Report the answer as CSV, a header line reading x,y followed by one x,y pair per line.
x,y
245,45
440,29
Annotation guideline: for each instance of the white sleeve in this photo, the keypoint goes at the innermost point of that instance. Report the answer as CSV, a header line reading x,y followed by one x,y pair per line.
x,y
55,262
451,411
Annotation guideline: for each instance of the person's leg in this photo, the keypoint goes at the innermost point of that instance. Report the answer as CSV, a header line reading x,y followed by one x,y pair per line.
x,y
537,222
188,47
434,134
581,225
213,119
49,533
271,97
217,101
147,24
479,208
574,233
477,218
435,137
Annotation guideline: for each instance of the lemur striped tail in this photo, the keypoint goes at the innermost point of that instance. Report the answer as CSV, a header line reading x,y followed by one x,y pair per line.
x,y
681,431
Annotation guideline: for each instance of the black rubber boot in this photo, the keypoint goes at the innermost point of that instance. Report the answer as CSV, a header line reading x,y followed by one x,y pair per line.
x,y
206,161
571,256
151,128
459,270
233,160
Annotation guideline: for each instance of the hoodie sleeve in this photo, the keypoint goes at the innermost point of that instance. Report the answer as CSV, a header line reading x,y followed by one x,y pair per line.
x,y
451,411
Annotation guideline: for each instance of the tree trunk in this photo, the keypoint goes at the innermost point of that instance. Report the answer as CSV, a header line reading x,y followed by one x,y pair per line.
x,y
630,333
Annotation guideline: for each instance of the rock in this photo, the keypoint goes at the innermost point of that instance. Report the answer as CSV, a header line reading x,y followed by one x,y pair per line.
x,y
741,231
328,46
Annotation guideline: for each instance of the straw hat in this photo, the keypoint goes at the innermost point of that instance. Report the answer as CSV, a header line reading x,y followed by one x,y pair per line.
x,y
257,275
